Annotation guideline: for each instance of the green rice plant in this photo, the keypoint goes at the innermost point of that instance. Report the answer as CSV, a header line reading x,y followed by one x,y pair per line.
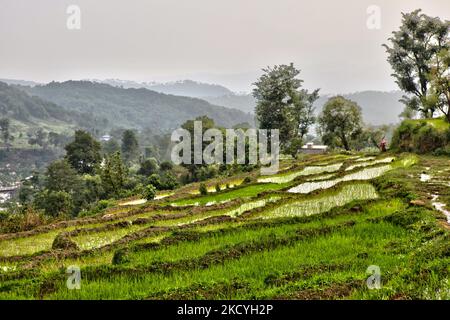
x,y
323,203
336,248
244,192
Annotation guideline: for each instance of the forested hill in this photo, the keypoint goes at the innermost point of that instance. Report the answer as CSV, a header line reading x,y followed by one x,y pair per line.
x,y
134,108
20,106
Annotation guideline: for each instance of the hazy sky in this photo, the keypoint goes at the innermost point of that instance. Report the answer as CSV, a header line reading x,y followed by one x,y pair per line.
x,y
220,41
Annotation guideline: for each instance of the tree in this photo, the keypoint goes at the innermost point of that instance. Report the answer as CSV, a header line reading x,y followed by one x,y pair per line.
x,y
412,51
340,122
207,123
114,175
149,192
281,104
111,146
439,77
83,153
130,146
54,203
5,131
168,181
60,176
148,167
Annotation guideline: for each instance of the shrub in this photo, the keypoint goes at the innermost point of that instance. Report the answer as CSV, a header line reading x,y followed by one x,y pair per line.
x,y
63,242
120,257
166,166
203,189
169,181
55,203
149,192
421,136
247,180
217,187
155,180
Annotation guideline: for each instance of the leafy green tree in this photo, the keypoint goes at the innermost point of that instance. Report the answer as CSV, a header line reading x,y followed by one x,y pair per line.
x,y
411,53
340,122
169,181
282,104
207,123
155,180
439,77
149,192
111,146
83,153
148,167
60,176
114,175
130,146
55,203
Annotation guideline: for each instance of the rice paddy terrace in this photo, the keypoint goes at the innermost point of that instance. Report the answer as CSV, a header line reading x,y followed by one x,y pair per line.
x,y
309,232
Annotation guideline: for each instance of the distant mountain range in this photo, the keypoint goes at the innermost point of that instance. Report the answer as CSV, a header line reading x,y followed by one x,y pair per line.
x,y
378,107
134,108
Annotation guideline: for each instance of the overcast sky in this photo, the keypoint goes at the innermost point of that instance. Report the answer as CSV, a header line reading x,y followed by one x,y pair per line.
x,y
220,41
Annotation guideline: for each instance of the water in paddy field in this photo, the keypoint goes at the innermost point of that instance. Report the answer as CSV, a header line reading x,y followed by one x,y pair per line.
x,y
307,171
366,174
349,193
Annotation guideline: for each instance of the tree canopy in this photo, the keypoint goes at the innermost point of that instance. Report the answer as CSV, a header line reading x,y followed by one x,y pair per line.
x,y
282,104
340,122
412,52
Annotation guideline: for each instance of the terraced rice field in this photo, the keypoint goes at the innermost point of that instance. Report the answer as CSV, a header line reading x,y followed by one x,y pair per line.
x,y
310,232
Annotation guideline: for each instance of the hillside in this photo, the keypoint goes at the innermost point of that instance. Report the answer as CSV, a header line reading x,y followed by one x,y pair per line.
x,y
134,108
186,88
310,232
18,105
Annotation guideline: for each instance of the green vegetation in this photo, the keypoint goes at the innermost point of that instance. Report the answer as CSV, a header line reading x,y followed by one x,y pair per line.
x,y
276,245
422,136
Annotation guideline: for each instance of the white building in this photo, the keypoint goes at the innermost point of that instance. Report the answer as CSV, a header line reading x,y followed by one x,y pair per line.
x,y
311,148
106,137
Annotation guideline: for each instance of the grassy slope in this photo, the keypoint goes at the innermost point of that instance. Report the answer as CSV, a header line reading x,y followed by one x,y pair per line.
x,y
321,256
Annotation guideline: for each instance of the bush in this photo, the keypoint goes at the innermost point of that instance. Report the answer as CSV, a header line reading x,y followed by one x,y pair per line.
x,y
421,136
442,151
55,203
203,189
149,192
247,180
169,181
166,166
63,242
155,180
16,222
217,187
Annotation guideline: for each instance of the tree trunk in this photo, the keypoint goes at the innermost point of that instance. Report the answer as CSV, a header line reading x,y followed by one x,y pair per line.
x,y
345,143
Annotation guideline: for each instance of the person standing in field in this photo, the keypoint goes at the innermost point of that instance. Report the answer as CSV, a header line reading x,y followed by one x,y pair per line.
x,y
383,144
